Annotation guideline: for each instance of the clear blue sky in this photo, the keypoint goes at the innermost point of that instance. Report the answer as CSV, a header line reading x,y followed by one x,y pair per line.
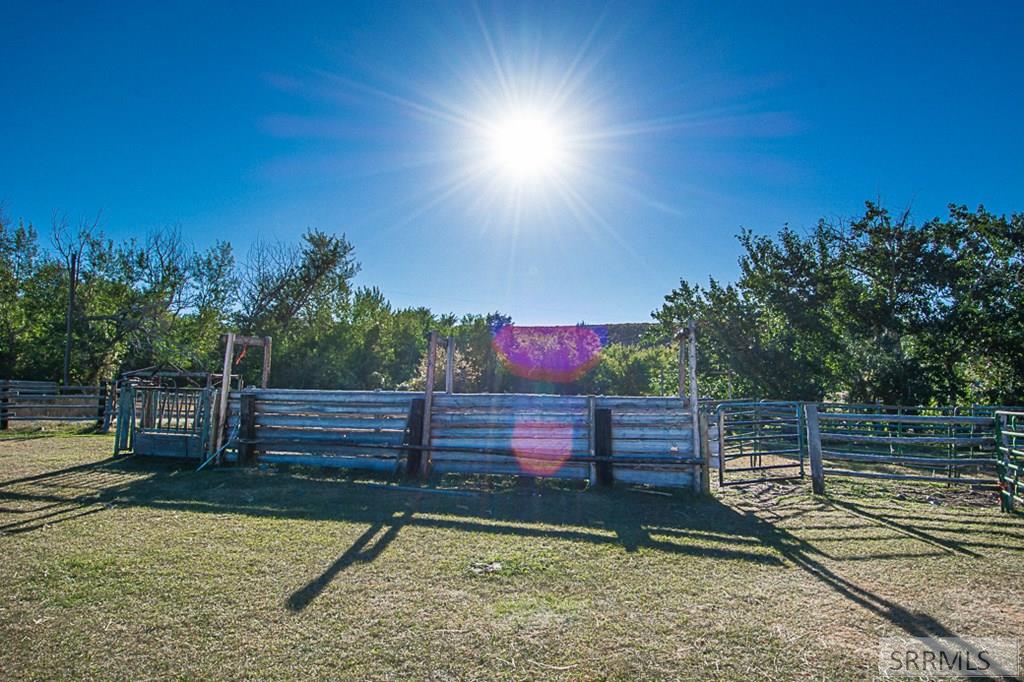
x,y
684,123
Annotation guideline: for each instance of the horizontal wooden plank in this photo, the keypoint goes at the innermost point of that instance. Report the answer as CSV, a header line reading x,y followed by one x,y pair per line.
x,y
537,446
653,419
508,401
523,431
335,462
624,445
627,403
509,468
666,479
329,422
648,433
323,435
485,420
333,409
337,397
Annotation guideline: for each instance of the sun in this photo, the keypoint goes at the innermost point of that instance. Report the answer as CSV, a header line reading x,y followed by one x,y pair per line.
x,y
527,146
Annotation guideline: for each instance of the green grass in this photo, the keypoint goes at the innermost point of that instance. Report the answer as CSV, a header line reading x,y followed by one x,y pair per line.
x,y
137,569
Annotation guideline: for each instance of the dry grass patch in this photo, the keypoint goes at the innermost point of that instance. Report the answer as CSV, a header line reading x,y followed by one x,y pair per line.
x,y
137,569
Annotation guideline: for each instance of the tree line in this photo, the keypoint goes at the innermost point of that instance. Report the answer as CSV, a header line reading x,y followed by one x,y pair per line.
x,y
875,308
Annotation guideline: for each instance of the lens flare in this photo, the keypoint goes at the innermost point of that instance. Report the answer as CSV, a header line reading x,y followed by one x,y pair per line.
x,y
556,354
542,448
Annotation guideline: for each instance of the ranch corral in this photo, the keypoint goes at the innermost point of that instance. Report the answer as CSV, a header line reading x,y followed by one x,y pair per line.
x,y
138,568
224,531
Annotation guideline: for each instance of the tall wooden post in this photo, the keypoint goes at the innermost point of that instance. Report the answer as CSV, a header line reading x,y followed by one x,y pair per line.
x,y
681,337
449,365
428,402
247,426
814,448
694,402
5,401
101,406
265,377
705,453
603,446
225,391
72,284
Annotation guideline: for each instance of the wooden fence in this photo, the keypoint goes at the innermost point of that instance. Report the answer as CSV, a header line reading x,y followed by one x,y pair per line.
x,y
49,401
597,438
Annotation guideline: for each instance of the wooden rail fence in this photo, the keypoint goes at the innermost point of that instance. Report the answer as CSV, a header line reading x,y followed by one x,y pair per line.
x,y
50,401
630,439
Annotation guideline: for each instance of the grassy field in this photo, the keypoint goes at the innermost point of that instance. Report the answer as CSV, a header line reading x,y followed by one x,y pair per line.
x,y
138,570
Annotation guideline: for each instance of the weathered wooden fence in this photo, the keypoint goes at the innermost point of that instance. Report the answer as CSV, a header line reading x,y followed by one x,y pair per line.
x,y
49,401
599,438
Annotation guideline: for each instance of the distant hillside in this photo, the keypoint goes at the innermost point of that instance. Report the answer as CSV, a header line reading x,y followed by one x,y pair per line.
x,y
627,333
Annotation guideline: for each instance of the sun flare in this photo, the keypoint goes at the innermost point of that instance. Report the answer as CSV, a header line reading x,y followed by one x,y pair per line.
x,y
527,146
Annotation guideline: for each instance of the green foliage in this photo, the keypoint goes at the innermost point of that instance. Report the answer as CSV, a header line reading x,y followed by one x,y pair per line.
x,y
874,309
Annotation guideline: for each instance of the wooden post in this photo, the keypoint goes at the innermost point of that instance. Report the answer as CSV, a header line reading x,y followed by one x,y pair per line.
x,y
247,428
5,401
265,377
721,447
428,402
694,402
68,320
449,365
814,448
101,406
680,336
705,451
603,446
591,439
225,391
414,436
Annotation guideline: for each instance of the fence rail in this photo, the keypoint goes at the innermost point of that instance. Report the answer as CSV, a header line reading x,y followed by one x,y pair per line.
x,y
49,401
938,445
1010,458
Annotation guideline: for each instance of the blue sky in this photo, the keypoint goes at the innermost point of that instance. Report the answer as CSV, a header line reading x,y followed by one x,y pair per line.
x,y
683,123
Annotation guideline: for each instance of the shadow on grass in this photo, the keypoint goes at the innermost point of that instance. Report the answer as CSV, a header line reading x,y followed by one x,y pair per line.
x,y
679,524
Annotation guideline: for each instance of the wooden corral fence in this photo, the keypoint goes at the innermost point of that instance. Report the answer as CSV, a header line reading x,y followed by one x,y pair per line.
x,y
1010,453
598,438
922,444
49,401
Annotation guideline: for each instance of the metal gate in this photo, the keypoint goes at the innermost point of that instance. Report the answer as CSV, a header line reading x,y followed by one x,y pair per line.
x,y
760,442
166,422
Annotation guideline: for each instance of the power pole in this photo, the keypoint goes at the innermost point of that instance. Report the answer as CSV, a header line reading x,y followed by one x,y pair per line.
x,y
73,282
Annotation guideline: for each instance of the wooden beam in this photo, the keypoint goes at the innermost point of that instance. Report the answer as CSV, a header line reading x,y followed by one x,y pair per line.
x,y
814,448
705,451
694,402
428,402
603,446
449,365
413,437
225,392
267,343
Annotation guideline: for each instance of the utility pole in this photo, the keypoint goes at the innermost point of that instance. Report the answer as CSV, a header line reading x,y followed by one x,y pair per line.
x,y
72,283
